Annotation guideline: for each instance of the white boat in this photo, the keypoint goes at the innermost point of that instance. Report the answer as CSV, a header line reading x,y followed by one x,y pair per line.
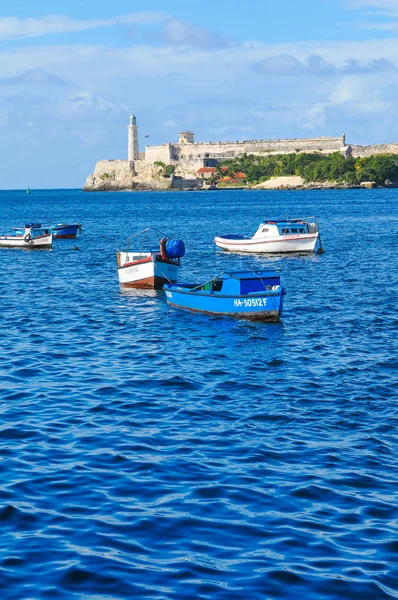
x,y
30,237
279,235
151,268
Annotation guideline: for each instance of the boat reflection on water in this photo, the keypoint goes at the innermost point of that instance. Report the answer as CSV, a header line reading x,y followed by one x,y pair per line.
x,y
262,259
140,292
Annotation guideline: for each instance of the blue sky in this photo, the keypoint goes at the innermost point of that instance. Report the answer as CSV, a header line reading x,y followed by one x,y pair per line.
x,y
71,73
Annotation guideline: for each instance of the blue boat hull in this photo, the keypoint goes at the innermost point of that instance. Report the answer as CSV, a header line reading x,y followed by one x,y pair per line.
x,y
255,307
65,231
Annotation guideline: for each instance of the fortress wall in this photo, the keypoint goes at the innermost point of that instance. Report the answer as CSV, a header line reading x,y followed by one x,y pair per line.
x,y
232,149
359,151
187,168
158,153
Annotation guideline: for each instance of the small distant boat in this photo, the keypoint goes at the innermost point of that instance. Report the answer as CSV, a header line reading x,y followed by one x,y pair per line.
x,y
63,231
30,237
253,295
151,268
59,231
279,235
28,190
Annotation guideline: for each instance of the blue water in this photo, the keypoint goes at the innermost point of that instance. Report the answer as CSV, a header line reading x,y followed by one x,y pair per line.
x,y
146,452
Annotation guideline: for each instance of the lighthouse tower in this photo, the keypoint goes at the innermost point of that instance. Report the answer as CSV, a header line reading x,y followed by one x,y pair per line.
x,y
133,152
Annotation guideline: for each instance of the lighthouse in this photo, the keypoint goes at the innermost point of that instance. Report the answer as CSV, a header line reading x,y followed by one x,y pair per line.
x,y
133,152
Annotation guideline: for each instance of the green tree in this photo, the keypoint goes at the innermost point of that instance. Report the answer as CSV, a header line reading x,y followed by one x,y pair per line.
x,y
168,170
315,167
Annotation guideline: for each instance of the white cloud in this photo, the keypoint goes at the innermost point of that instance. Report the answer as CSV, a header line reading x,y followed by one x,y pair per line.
x,y
391,26
180,33
3,118
34,77
219,130
12,28
378,8
366,94
284,64
352,95
381,6
169,124
85,104
314,117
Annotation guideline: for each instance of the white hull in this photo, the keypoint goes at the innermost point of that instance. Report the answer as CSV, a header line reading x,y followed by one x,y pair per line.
x,y
44,241
147,270
284,243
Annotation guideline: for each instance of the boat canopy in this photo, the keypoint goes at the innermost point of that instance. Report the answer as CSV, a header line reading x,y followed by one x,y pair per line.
x,y
288,220
250,281
241,283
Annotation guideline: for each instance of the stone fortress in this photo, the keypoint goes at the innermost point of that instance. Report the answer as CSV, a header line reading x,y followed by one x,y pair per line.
x,y
192,160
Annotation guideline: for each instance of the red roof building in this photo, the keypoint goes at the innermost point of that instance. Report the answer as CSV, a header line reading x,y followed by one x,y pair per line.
x,y
235,178
206,172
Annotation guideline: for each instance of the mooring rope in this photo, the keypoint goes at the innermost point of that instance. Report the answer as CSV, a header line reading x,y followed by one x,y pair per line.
x,y
206,282
271,296
164,274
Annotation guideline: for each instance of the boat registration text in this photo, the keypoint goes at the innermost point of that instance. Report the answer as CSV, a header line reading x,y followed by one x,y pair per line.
x,y
250,302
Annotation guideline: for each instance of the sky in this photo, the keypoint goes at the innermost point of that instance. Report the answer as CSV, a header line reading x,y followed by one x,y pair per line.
x,y
72,72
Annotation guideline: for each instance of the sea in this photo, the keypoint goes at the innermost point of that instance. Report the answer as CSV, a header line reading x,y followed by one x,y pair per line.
x,y
150,453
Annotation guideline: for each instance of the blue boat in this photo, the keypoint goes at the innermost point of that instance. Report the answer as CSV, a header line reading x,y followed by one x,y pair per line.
x,y
254,295
59,231
65,231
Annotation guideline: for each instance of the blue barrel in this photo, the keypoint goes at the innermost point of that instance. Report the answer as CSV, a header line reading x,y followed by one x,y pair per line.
x,y
175,249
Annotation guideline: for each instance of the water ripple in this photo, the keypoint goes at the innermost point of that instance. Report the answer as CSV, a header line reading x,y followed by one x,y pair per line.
x,y
151,453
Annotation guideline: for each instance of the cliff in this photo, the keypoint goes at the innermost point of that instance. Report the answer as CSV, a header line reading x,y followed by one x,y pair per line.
x,y
109,175
117,175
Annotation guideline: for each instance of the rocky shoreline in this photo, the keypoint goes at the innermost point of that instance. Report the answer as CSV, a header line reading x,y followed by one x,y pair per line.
x,y
267,186
121,175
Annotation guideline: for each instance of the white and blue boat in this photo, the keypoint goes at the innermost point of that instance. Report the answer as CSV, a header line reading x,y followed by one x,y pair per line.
x,y
253,295
276,235
30,237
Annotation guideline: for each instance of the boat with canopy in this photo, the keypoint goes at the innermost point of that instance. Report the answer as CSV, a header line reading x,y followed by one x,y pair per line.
x,y
276,236
30,237
141,265
253,295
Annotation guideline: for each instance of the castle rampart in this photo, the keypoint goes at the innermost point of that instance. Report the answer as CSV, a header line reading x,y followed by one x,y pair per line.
x,y
163,153
200,151
140,170
362,151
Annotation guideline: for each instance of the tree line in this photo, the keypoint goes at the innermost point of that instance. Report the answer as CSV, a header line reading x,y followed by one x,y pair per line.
x,y
314,167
